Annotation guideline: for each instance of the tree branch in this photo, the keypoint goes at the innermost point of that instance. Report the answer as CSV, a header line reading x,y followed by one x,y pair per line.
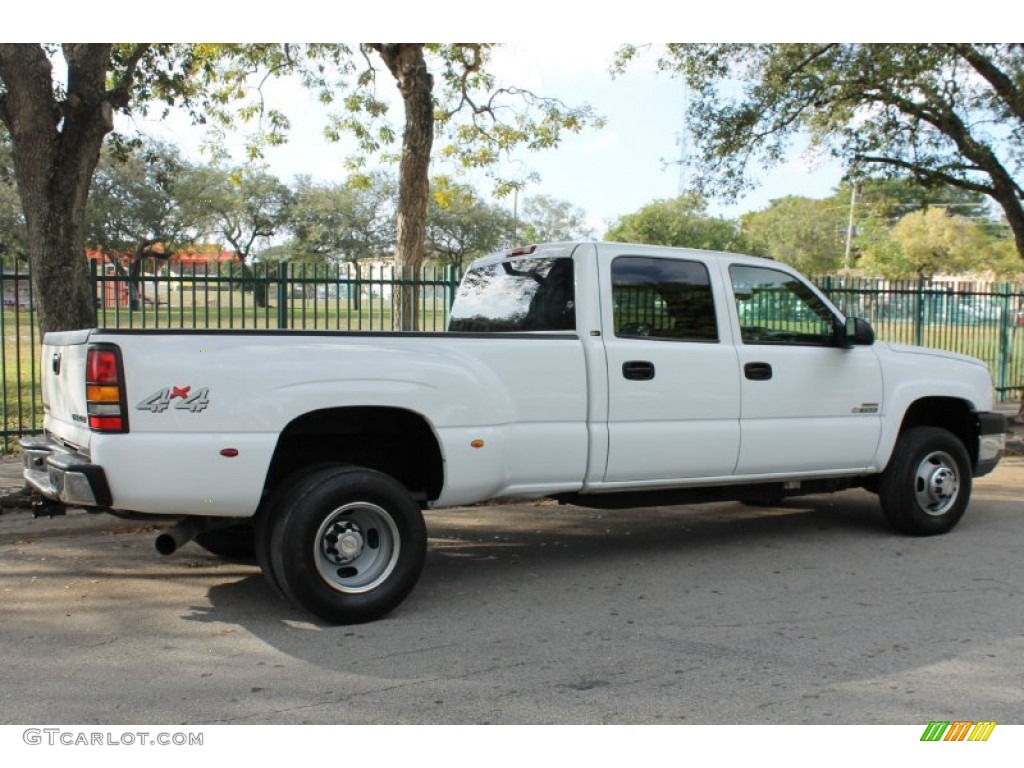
x,y
120,95
928,175
1001,83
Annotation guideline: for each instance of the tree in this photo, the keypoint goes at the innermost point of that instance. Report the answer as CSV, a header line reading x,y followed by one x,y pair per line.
x,y
247,207
57,130
547,220
57,125
447,92
895,198
144,203
930,242
808,234
481,120
461,226
56,136
13,235
682,222
343,222
939,114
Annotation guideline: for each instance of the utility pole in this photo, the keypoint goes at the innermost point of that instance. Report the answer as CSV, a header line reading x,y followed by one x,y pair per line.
x,y
849,227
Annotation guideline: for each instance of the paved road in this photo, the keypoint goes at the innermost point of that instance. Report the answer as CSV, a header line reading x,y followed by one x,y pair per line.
x,y
809,613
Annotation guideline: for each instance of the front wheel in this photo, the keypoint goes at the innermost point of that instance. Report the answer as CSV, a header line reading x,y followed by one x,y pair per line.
x,y
926,487
347,543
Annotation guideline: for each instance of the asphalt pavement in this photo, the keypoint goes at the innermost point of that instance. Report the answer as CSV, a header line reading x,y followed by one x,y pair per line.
x,y
813,611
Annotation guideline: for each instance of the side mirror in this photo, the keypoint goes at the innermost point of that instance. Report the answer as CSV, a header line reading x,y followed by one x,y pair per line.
x,y
856,333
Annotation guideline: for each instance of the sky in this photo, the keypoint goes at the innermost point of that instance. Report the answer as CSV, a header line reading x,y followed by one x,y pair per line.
x,y
608,172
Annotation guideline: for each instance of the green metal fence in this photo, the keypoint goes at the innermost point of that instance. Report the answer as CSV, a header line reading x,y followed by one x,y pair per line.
x,y
346,297
20,406
979,319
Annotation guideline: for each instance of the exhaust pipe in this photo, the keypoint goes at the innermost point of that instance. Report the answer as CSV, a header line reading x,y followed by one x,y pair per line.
x,y
186,529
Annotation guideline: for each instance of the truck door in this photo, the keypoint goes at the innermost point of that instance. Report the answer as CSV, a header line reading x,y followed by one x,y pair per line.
x,y
807,404
673,383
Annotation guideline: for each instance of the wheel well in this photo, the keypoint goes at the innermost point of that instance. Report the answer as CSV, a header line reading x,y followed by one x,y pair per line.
x,y
397,442
947,413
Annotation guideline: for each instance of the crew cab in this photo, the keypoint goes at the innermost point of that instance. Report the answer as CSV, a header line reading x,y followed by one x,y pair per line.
x,y
601,374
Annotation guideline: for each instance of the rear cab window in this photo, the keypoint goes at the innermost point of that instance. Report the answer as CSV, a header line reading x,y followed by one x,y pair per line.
x,y
519,295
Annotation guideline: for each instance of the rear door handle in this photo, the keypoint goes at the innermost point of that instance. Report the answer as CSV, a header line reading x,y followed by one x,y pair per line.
x,y
638,370
757,371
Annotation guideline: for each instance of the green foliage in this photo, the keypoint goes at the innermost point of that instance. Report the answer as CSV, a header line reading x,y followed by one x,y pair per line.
x,y
547,220
681,222
896,197
929,242
146,200
808,234
461,226
343,222
13,235
478,120
245,206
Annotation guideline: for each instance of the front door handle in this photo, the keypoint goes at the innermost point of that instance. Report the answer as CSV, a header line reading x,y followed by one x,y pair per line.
x,y
638,370
757,371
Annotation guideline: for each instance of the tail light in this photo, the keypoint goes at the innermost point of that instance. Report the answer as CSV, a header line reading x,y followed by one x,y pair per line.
x,y
104,389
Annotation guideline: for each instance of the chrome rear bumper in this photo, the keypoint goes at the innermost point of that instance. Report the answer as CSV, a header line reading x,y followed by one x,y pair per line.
x,y
62,475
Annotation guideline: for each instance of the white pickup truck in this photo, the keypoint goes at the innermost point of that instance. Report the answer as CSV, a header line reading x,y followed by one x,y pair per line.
x,y
600,374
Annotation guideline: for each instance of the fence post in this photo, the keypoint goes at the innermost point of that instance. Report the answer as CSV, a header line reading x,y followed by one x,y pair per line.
x,y
1003,354
282,294
451,284
96,292
919,315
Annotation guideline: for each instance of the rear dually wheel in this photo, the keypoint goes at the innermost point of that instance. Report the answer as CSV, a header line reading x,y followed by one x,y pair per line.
x,y
347,543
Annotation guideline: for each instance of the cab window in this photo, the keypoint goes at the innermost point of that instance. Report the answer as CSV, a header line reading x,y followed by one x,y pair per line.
x,y
661,298
517,295
774,307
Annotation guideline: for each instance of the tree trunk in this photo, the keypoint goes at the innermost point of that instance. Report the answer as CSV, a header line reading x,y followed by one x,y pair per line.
x,y
56,147
1008,197
415,83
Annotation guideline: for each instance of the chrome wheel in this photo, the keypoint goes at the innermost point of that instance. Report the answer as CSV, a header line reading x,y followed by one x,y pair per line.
x,y
926,486
936,483
357,547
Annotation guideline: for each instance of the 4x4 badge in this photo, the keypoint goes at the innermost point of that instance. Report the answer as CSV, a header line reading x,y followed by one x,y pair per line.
x,y
183,397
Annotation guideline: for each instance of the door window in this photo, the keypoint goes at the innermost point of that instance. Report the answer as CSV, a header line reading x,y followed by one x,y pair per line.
x,y
663,299
775,307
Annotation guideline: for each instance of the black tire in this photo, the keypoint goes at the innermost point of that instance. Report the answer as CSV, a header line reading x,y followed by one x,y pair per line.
x,y
926,487
265,518
235,543
347,543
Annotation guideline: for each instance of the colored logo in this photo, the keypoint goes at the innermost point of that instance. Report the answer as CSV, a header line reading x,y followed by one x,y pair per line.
x,y
958,730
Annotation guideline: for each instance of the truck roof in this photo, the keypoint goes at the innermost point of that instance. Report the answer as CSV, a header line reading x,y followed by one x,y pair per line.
x,y
567,248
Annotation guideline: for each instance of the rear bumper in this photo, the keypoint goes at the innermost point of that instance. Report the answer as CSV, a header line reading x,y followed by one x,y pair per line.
x,y
62,475
991,442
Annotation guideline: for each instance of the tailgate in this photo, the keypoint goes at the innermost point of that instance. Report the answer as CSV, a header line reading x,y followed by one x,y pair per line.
x,y
63,386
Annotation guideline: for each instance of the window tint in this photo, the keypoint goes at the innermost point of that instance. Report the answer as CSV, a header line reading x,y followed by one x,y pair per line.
x,y
663,299
516,295
776,308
